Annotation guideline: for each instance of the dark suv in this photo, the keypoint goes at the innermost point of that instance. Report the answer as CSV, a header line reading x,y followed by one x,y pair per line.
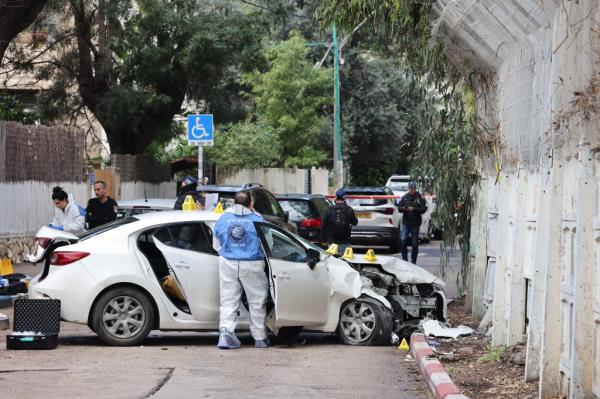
x,y
307,211
264,202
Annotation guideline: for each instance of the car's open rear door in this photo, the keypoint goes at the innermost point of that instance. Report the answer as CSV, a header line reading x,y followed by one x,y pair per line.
x,y
193,265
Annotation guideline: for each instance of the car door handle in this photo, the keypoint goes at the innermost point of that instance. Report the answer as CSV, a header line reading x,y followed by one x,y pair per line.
x,y
284,276
182,265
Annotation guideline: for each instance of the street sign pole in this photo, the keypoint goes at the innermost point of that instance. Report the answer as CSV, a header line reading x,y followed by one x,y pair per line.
x,y
200,132
200,164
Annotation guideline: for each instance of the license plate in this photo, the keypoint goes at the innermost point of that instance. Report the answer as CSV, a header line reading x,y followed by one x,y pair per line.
x,y
363,215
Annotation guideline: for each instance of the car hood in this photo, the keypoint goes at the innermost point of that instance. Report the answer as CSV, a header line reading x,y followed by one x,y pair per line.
x,y
404,271
54,235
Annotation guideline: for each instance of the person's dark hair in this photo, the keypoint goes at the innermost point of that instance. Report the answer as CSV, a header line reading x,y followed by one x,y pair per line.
x,y
243,198
59,194
101,182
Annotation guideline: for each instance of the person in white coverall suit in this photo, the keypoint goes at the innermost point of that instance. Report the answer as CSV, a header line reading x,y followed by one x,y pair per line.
x,y
68,216
241,265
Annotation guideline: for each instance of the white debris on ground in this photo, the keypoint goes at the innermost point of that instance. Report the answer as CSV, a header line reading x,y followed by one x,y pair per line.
x,y
26,333
436,329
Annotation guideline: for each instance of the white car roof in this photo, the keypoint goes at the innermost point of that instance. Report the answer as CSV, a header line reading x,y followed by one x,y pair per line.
x,y
156,203
178,216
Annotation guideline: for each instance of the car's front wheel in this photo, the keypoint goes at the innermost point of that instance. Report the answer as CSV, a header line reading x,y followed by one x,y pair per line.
x,y
365,321
123,316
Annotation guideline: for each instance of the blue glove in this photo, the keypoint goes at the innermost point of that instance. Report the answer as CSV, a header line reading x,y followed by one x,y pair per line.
x,y
56,227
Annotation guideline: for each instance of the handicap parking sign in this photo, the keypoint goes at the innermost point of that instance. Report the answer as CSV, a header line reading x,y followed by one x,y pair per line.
x,y
200,129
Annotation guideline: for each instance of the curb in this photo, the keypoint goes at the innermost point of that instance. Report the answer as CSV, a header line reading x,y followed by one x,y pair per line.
x,y
436,377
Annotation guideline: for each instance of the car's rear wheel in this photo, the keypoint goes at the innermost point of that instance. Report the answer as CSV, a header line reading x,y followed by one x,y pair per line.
x,y
123,316
364,322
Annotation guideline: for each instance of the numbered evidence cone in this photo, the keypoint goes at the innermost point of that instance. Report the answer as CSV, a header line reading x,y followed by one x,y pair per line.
x,y
189,204
332,250
370,256
219,208
348,253
403,345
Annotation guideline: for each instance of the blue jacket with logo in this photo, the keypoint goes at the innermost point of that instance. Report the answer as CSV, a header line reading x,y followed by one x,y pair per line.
x,y
236,237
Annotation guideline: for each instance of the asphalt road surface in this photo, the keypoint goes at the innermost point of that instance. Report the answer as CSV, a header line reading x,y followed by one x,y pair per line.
x,y
188,365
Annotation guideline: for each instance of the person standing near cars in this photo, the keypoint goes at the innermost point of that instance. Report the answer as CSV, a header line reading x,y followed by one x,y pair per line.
x,y
102,209
338,222
68,216
189,186
241,266
412,205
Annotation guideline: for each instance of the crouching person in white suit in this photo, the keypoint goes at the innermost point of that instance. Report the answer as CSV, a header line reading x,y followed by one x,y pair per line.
x,y
68,216
241,265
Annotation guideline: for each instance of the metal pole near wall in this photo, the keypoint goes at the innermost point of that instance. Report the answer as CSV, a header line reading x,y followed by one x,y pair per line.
x,y
200,163
338,166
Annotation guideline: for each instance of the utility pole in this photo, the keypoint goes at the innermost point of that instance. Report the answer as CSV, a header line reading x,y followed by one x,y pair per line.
x,y
338,165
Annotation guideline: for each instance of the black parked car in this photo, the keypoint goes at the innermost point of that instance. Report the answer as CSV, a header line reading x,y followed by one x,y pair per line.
x,y
307,212
264,202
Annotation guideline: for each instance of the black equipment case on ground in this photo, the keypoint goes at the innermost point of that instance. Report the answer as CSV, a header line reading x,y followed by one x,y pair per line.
x,y
41,317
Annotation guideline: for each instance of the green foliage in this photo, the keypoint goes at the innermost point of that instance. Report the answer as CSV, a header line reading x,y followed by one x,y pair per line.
x,y
246,145
289,98
135,64
11,109
494,354
448,149
383,113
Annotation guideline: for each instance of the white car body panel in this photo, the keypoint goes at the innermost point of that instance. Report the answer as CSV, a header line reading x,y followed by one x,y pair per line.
x,y
405,271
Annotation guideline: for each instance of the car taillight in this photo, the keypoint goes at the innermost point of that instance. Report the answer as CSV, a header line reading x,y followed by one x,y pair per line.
x,y
386,211
311,223
44,242
62,258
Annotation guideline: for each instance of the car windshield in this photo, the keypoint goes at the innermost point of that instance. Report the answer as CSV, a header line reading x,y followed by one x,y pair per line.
x,y
226,199
399,185
365,201
105,227
298,209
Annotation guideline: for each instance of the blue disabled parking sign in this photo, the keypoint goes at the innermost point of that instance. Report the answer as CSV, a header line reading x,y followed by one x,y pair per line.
x,y
200,129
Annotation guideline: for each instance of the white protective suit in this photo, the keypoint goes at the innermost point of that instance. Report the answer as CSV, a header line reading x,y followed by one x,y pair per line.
x,y
235,275
72,218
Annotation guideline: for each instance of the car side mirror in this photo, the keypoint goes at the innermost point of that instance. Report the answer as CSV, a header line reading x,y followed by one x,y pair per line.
x,y
313,257
286,216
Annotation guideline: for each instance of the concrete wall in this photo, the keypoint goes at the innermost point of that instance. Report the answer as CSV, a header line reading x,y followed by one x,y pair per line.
x,y
537,222
129,190
278,180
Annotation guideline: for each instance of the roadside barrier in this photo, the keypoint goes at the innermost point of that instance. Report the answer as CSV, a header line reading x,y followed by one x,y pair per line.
x,y
433,372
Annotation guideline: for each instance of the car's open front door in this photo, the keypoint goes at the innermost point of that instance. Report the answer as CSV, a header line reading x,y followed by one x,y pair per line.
x,y
188,251
300,293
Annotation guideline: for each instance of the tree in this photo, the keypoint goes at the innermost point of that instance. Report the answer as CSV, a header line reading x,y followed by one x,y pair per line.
x,y
15,16
383,112
132,64
290,97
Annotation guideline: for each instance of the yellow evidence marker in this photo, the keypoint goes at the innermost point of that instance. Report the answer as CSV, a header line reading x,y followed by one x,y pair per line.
x,y
348,253
6,267
370,256
189,204
219,208
403,345
332,250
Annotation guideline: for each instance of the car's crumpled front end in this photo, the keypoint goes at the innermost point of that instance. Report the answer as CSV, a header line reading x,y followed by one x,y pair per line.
x,y
413,292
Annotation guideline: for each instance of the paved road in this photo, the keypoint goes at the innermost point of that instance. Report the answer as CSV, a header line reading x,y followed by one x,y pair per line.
x,y
188,365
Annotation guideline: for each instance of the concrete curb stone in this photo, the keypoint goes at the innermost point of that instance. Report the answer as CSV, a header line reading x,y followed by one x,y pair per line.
x,y
435,375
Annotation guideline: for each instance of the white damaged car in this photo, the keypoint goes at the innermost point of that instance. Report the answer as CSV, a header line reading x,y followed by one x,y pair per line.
x,y
159,271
